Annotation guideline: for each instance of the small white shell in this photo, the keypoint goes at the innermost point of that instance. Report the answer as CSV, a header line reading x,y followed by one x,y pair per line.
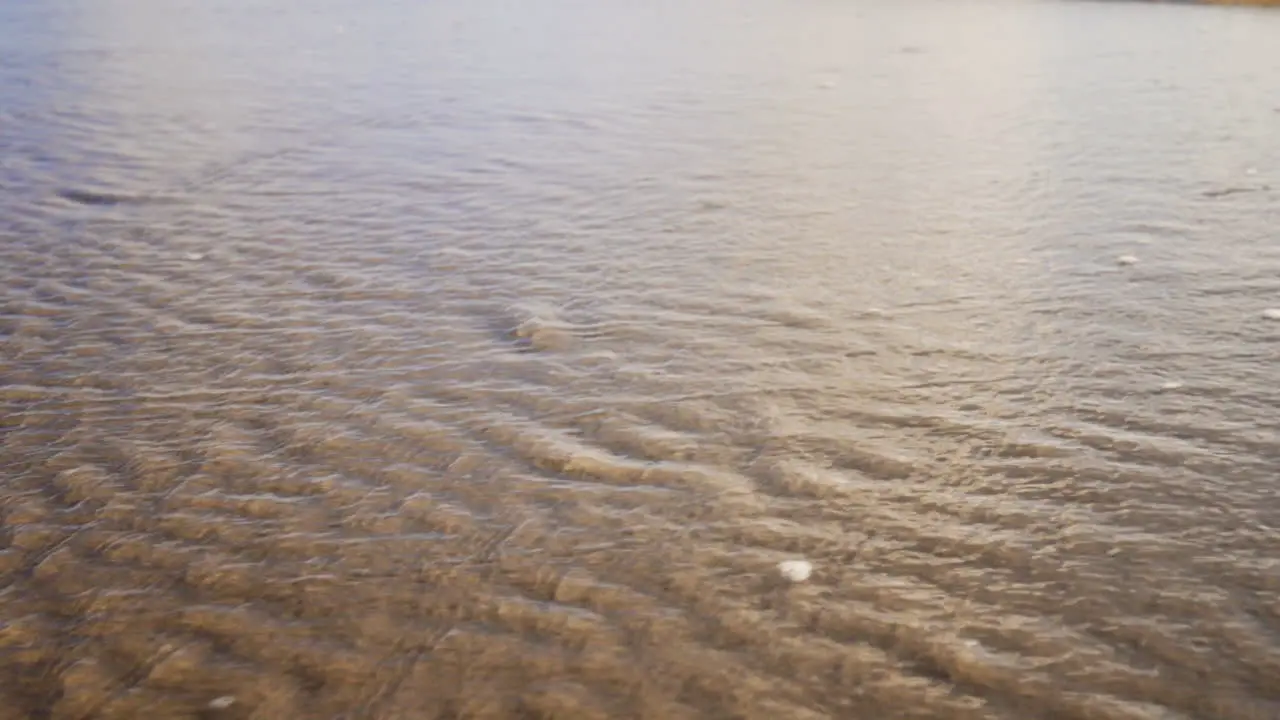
x,y
795,570
1172,385
1271,314
195,256
1127,260
222,703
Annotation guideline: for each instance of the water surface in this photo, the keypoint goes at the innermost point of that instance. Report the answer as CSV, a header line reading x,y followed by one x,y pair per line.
x,y
483,360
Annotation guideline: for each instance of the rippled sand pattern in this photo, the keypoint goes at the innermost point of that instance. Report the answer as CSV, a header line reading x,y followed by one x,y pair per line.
x,y
447,364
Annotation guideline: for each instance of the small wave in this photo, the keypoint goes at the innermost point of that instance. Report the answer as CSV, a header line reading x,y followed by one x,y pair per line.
x,y
539,327
103,198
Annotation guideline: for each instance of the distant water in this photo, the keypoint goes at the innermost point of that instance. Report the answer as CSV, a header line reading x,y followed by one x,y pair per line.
x,y
485,359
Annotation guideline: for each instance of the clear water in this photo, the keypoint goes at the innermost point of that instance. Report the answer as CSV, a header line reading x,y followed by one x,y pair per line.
x,y
484,359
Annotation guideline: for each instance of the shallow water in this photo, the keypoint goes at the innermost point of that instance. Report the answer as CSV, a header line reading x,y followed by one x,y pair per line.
x,y
485,359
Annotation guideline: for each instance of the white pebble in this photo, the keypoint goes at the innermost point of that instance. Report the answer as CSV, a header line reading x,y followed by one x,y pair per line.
x,y
195,257
222,703
1127,260
795,570
1271,314
1172,385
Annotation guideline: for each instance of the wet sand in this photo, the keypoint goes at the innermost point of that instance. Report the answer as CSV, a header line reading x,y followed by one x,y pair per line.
x,y
445,362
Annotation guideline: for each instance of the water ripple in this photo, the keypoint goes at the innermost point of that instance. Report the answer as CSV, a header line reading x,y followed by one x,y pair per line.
x,y
467,361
